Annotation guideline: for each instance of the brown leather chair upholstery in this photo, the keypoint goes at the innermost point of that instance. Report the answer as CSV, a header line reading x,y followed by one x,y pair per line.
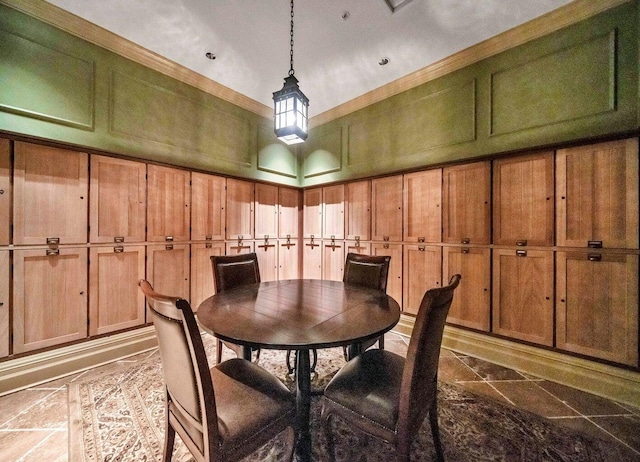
x,y
222,413
230,271
388,396
370,271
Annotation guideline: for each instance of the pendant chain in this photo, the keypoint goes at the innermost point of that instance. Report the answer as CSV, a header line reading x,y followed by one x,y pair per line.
x,y
291,71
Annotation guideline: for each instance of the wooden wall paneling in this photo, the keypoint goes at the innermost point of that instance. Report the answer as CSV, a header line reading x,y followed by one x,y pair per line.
x,y
333,212
115,300
5,191
312,250
471,307
597,305
422,271
394,281
333,260
386,206
208,202
266,211
288,259
4,303
312,213
118,200
49,297
422,211
50,195
240,214
202,271
290,213
267,252
358,210
466,203
168,204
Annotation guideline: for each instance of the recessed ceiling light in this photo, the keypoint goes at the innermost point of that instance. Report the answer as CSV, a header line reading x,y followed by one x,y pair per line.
x,y
210,55
384,61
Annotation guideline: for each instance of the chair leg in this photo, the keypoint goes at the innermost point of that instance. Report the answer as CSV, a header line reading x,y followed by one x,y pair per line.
x,y
290,443
344,353
435,430
331,450
257,355
290,368
169,432
315,360
381,342
218,351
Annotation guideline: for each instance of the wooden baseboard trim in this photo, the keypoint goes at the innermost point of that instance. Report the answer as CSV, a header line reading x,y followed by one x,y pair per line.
x,y
20,373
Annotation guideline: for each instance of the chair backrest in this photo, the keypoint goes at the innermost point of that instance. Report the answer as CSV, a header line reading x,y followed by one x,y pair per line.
x,y
420,375
367,270
185,368
230,271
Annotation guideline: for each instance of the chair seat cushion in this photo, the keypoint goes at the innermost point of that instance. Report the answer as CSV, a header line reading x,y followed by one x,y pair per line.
x,y
369,385
249,401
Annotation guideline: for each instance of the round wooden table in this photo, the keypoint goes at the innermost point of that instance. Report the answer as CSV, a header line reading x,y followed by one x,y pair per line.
x,y
301,315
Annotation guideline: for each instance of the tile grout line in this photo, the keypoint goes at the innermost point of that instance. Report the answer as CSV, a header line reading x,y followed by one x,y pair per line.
x,y
24,456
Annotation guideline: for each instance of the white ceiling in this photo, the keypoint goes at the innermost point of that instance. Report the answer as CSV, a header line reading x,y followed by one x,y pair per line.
x,y
335,60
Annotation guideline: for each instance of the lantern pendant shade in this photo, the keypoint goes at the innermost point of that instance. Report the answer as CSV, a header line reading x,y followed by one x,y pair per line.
x,y
290,114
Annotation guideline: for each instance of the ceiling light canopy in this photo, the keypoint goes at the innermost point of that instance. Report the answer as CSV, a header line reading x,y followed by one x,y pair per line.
x,y
291,106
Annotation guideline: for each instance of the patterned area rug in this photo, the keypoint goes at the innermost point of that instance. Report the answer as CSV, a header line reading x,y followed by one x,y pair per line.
x,y
120,417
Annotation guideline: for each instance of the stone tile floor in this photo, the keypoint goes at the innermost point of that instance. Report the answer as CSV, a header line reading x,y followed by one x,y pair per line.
x,y
33,422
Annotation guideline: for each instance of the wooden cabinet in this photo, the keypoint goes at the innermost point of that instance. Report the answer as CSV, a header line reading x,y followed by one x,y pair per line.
x,y
50,195
356,247
288,259
394,280
312,258
597,305
115,300
597,195
422,271
357,197
289,208
202,271
118,200
4,303
471,306
168,201
466,199
239,247
168,269
5,191
386,204
266,211
422,213
49,297
240,197
267,252
208,201
523,294
312,213
333,212
333,260
523,200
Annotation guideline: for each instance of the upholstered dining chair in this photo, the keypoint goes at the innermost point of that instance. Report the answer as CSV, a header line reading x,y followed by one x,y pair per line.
x,y
231,271
221,414
387,396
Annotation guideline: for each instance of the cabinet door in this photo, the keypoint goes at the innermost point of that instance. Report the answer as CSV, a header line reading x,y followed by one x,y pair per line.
x,y
312,211
49,297
312,258
208,200
333,214
471,304
358,210
239,247
168,204
466,199
266,211
356,247
332,261
422,271
4,303
168,269
202,271
239,209
118,200
394,281
597,305
288,260
289,213
523,200
422,213
115,300
386,203
523,294
50,195
597,197
267,252
5,191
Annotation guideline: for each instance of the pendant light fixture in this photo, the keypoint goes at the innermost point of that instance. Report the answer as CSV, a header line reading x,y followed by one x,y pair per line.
x,y
290,112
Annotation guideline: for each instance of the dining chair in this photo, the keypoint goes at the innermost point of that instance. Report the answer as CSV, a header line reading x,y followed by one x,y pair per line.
x,y
222,413
230,271
387,396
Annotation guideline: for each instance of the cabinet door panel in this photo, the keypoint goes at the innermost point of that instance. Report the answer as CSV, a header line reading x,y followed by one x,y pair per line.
x,y
471,305
5,190
523,294
312,258
386,204
597,196
267,253
118,200
202,271
289,213
332,261
288,260
168,204
115,301
466,198
422,215
312,211
266,211
208,200
358,210
356,247
168,269
239,209
394,281
50,195
239,247
49,297
333,214
597,305
422,271
4,303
